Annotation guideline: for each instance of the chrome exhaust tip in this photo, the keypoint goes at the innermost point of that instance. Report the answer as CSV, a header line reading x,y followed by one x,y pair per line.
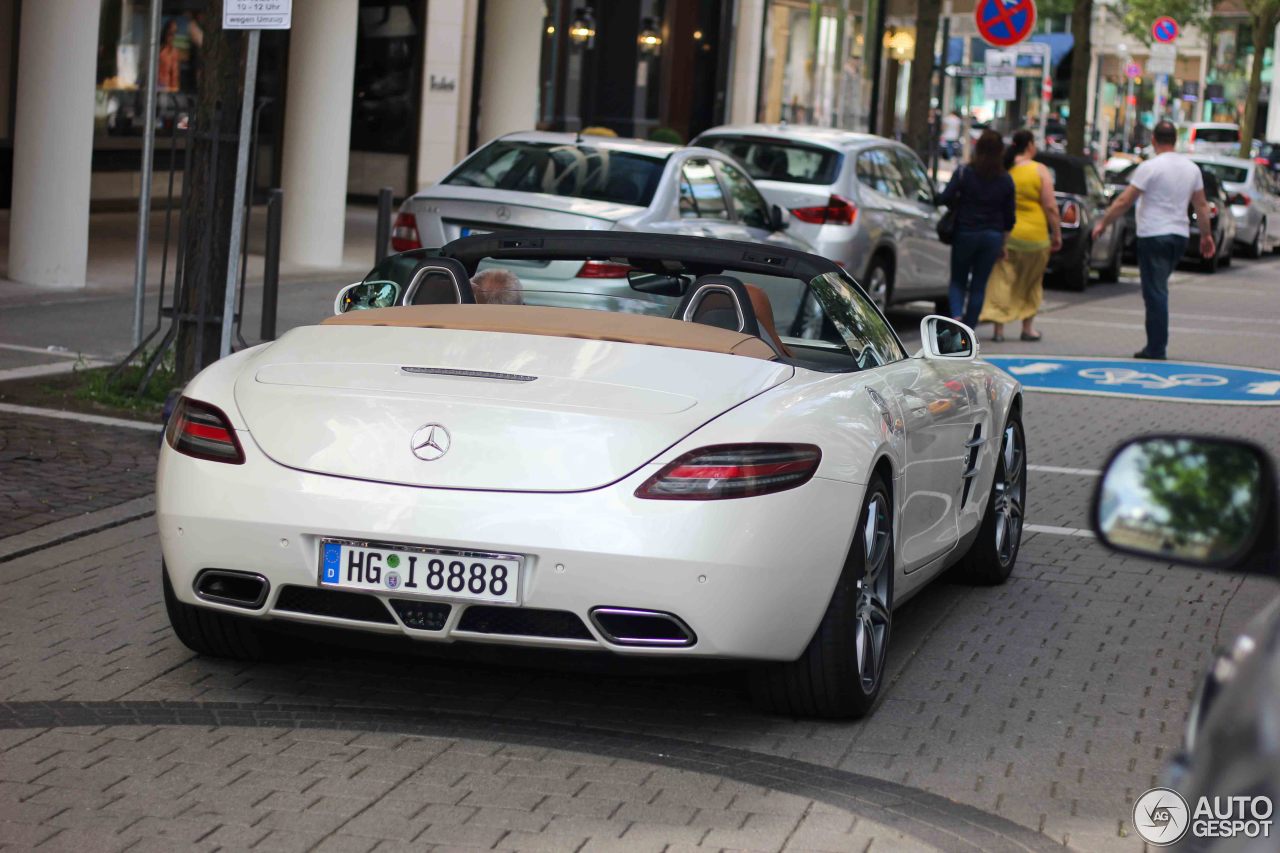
x,y
625,626
238,589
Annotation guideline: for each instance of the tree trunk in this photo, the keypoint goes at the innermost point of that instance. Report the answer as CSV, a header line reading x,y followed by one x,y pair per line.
x,y
889,99
920,87
1264,26
210,169
1081,59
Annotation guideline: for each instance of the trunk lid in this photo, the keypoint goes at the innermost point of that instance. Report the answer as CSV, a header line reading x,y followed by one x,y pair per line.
x,y
337,400
445,213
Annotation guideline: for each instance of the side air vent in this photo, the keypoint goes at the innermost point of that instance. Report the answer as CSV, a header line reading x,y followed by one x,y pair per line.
x,y
972,448
338,604
523,622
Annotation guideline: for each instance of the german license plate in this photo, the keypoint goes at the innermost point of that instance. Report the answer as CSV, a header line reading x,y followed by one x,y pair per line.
x,y
427,572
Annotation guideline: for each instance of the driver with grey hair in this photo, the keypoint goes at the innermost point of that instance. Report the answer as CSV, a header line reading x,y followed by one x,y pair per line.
x,y
497,287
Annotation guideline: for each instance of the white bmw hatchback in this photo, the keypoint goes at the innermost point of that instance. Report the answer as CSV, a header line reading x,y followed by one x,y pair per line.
x,y
742,463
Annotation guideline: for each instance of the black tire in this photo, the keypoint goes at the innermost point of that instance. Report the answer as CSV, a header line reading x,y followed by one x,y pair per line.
x,y
1111,273
879,277
829,679
991,558
1255,249
212,632
1075,278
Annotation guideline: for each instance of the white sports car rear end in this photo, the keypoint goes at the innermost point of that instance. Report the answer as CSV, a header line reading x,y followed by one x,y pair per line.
x,y
744,464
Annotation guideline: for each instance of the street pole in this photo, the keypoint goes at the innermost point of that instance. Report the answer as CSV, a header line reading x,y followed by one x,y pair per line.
x,y
237,204
1128,112
148,157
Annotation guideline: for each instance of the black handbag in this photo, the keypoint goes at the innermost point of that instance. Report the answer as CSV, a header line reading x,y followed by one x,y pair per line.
x,y
947,224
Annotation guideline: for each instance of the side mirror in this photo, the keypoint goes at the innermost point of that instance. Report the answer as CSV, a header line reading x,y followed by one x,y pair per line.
x,y
942,337
1198,500
367,294
779,218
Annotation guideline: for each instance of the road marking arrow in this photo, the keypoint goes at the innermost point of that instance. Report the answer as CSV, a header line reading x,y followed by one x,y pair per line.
x,y
1033,369
1266,388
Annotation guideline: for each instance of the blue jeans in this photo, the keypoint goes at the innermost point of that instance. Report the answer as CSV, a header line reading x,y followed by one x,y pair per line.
x,y
1157,257
973,256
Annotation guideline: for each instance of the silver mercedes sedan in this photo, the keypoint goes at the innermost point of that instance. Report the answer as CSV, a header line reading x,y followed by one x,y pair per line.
x,y
573,181
865,202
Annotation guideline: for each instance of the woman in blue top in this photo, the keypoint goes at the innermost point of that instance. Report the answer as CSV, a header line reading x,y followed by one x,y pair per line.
x,y
982,195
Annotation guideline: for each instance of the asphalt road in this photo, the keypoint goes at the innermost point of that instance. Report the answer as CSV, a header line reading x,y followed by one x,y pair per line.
x,y
1021,717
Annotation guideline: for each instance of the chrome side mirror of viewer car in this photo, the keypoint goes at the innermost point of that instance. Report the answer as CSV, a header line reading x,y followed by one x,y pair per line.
x,y
942,337
1197,500
367,294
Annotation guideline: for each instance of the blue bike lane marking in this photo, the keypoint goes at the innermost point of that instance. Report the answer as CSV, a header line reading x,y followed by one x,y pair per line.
x,y
1183,381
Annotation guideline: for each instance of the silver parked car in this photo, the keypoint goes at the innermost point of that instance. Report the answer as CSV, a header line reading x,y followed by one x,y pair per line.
x,y
567,181
863,201
1254,195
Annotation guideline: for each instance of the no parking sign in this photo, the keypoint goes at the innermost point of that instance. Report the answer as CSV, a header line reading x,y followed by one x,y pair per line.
x,y
1004,23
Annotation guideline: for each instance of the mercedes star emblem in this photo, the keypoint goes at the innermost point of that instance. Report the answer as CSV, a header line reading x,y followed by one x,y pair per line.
x,y
430,442
503,212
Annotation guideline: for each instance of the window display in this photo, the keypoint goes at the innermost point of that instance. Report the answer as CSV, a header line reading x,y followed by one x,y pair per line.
x,y
815,56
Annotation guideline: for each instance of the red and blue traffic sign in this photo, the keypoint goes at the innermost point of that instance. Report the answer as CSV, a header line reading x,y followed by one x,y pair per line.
x,y
1165,29
1004,23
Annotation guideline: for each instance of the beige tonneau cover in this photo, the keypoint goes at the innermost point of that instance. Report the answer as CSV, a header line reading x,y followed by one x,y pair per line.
x,y
563,323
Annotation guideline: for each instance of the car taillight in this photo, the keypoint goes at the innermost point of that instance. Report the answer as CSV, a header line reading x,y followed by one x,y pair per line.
x,y
733,471
203,431
404,234
1262,161
1241,199
1070,215
837,211
1213,209
603,269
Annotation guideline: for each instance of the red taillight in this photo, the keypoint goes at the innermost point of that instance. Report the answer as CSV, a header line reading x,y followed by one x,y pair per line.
x,y
1241,199
203,431
1070,215
1262,161
837,211
603,269
733,471
404,234
1213,209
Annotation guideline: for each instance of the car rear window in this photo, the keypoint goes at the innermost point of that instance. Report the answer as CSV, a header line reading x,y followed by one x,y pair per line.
x,y
576,171
775,160
1068,177
1217,134
1226,174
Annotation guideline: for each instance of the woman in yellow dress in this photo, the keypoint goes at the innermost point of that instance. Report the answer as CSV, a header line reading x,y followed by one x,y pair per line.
x,y
1016,288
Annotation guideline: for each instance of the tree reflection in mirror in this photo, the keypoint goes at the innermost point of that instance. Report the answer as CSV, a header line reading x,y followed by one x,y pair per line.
x,y
1193,500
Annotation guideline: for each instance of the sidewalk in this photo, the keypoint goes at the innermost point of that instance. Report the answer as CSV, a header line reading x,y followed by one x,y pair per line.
x,y
55,326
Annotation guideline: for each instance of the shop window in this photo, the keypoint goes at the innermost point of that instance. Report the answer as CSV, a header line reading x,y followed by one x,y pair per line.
x,y
815,56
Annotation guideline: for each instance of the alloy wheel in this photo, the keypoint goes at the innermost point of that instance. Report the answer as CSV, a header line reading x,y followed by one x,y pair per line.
x,y
878,286
873,613
1011,493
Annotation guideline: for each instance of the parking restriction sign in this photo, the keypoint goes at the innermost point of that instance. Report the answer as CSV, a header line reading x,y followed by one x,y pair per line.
x,y
1004,23
257,14
1165,29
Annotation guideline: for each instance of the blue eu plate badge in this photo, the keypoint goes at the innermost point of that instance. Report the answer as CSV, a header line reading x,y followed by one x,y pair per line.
x,y
332,561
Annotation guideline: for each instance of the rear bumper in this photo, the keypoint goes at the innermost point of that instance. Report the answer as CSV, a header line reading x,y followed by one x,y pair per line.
x,y
750,577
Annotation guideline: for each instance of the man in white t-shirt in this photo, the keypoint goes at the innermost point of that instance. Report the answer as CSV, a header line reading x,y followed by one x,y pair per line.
x,y
1163,187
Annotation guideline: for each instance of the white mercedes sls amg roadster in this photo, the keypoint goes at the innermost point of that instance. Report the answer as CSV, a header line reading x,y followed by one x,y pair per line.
x,y
719,450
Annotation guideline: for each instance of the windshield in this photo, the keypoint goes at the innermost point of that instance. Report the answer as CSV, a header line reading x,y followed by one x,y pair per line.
x,y
576,171
774,160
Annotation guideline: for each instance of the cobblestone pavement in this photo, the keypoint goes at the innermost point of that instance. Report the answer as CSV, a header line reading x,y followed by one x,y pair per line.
x,y
56,469
1019,717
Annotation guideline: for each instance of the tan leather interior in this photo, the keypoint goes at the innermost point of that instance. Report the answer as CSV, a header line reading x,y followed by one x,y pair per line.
x,y
564,323
764,317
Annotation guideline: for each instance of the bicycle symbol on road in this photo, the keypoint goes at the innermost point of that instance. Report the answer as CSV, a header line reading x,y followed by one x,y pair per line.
x,y
1127,376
